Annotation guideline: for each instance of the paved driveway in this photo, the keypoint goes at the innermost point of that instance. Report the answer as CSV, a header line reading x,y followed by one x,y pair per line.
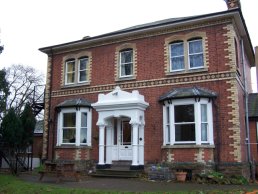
x,y
132,185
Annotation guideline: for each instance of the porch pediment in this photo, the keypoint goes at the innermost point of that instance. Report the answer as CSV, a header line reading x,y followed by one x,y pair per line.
x,y
119,99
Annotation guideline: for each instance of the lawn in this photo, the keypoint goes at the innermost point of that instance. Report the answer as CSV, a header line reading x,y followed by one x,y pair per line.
x,y
12,185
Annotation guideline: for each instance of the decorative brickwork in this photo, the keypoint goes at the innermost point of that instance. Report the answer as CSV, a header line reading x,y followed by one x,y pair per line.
x,y
199,155
235,123
173,81
230,49
47,109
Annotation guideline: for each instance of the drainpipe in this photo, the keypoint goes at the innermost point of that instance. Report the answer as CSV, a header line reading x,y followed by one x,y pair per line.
x,y
246,112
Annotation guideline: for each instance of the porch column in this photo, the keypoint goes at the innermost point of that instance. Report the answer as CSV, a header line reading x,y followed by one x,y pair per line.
x,y
109,143
101,144
141,144
135,161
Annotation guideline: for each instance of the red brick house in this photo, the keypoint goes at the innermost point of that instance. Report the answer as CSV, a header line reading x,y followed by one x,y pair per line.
x,y
171,91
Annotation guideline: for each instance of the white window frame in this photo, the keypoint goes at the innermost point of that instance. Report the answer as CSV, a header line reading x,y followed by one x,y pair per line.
x,y
171,57
78,126
70,72
197,111
121,64
83,70
188,42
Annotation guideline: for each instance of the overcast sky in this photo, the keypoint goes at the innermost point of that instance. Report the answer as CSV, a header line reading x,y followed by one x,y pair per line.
x,y
27,25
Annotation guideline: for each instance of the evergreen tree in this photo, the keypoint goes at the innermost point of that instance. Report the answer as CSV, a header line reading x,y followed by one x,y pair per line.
x,y
12,130
28,124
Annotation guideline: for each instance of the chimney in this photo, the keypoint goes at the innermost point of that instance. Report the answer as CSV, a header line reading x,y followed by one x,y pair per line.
x,y
233,4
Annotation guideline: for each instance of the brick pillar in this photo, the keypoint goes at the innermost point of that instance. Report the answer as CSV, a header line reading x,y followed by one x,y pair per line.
x,y
233,4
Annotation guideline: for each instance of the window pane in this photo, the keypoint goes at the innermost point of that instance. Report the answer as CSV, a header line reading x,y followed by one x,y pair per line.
x,y
177,56
83,135
177,63
83,63
84,119
177,49
204,112
69,119
70,65
127,56
185,132
70,77
128,69
69,135
195,46
168,134
204,134
168,117
184,113
83,76
196,60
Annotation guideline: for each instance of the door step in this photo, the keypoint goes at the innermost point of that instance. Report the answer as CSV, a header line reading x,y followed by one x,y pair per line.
x,y
119,169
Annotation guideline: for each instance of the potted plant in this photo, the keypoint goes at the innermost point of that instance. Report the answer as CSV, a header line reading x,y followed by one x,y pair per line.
x,y
180,175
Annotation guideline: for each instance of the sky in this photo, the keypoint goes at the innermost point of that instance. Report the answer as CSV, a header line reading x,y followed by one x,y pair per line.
x,y
27,25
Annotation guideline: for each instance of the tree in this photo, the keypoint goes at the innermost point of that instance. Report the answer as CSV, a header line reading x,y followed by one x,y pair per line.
x,y
28,124
4,92
23,82
11,130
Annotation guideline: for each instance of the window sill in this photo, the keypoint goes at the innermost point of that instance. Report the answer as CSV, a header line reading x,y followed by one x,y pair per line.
x,y
189,71
125,79
72,147
185,146
75,85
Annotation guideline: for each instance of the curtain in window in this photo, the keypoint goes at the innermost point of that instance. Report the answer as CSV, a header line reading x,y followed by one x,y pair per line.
x,y
69,127
177,56
204,123
70,71
195,53
83,134
83,69
126,62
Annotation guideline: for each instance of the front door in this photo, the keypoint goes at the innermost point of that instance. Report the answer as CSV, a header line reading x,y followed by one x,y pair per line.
x,y
125,141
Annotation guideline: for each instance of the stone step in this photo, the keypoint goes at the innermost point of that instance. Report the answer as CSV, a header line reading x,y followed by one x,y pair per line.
x,y
117,172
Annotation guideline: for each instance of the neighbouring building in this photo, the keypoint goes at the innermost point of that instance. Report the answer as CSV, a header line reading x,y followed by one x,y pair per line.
x,y
171,91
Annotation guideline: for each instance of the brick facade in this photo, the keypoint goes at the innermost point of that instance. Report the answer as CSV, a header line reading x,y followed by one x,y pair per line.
x,y
152,79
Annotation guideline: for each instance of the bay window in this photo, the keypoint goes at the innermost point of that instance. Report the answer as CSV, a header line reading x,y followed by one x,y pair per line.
x,y
74,126
188,121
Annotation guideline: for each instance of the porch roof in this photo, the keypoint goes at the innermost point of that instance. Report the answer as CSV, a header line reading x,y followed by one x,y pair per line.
x,y
78,102
191,92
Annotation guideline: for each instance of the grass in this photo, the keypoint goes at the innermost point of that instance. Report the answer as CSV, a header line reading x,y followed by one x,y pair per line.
x,y
12,185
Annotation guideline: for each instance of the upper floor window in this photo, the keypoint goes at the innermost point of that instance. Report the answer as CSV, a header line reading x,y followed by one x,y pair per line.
x,y
126,63
177,56
195,53
83,69
76,68
70,71
184,53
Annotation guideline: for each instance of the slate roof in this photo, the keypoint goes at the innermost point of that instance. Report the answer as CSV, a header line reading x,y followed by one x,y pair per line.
x,y
78,102
253,105
191,92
